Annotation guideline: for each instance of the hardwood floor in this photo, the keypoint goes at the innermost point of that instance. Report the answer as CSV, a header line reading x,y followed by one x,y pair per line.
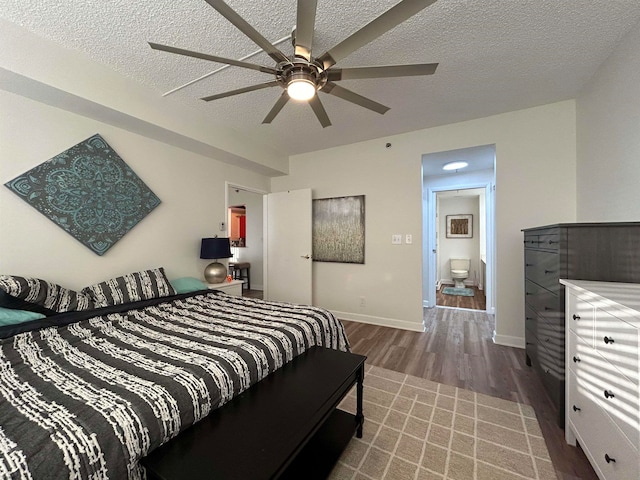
x,y
252,293
457,349
477,302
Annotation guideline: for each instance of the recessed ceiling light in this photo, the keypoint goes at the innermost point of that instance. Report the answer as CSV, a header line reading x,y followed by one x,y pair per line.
x,y
455,165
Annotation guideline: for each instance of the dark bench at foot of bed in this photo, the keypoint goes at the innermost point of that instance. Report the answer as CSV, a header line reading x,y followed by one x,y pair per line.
x,y
286,426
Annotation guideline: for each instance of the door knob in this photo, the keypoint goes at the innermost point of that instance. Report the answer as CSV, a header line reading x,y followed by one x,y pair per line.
x,y
305,256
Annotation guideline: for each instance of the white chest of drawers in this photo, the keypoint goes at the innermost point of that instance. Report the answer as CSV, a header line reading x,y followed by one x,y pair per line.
x,y
602,387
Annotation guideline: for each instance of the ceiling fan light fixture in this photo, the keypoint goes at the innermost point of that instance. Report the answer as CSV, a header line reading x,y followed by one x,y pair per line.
x,y
301,87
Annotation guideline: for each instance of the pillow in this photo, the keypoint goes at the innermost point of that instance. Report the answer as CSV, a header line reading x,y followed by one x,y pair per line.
x,y
36,295
9,316
187,284
132,287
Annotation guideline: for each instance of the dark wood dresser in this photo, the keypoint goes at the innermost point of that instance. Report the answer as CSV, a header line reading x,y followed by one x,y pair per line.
x,y
608,252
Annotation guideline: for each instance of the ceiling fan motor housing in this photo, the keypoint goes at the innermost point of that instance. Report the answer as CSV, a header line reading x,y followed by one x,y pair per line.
x,y
301,70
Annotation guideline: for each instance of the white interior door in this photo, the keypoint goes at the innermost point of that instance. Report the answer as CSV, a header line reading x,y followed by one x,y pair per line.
x,y
287,238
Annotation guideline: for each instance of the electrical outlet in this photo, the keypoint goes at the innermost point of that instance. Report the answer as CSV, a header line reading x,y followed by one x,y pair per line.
x,y
363,302
223,226
408,239
396,239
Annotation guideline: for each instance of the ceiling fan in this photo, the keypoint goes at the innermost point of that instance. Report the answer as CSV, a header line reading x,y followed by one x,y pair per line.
x,y
303,75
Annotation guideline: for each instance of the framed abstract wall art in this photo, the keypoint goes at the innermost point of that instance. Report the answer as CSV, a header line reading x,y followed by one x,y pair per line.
x,y
338,229
459,226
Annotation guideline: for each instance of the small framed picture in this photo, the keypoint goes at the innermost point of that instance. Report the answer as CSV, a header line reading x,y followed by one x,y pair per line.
x,y
459,226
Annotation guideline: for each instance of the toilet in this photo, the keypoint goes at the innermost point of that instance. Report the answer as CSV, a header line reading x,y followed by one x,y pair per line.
x,y
460,271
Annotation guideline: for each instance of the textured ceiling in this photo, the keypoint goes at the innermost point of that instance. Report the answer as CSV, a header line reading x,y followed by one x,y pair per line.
x,y
495,56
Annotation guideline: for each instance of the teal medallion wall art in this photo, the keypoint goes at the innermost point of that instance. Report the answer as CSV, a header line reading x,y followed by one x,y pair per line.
x,y
89,191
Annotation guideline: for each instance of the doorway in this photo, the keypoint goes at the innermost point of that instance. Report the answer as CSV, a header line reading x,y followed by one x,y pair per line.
x,y
461,249
245,219
451,199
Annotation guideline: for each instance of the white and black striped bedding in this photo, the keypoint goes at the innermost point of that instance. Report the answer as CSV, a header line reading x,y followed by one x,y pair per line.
x,y
90,398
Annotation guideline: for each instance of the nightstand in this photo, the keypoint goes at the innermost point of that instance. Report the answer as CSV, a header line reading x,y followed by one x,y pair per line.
x,y
234,287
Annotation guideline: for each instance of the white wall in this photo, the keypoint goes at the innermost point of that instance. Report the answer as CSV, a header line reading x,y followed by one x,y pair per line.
x,y
608,133
449,248
535,152
190,186
252,253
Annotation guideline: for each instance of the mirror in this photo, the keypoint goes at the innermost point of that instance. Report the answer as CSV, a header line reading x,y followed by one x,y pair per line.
x,y
238,225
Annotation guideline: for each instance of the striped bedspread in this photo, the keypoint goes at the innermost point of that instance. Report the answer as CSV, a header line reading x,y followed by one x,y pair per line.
x,y
91,398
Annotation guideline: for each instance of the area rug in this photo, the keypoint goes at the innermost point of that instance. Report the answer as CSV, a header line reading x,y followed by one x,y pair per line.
x,y
416,429
463,292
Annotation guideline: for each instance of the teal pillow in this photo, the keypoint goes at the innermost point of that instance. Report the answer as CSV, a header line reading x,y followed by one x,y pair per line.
x,y
187,284
9,316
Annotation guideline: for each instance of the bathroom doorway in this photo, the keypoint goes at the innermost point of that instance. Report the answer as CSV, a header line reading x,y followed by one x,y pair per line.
x,y
461,249
458,225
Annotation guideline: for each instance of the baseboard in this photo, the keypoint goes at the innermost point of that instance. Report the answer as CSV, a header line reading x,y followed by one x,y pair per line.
x,y
508,341
381,321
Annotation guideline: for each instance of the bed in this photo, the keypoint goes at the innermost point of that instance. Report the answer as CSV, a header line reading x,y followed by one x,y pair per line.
x,y
87,394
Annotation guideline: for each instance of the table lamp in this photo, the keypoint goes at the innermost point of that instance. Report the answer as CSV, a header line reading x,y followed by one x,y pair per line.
x,y
215,248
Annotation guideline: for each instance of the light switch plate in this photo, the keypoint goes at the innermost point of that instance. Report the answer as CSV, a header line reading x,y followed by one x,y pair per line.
x,y
408,239
396,239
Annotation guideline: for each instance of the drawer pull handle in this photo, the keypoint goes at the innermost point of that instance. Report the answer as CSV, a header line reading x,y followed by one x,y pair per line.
x,y
527,293
528,265
576,317
608,394
551,242
548,308
576,359
608,340
529,318
609,459
576,409
547,272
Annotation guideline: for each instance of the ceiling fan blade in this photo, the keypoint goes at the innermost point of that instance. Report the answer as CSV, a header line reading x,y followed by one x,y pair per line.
x,y
385,22
320,112
337,74
348,95
241,24
240,90
282,101
305,23
213,58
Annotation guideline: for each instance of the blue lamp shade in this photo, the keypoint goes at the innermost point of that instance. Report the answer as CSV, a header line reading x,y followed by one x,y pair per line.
x,y
215,248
